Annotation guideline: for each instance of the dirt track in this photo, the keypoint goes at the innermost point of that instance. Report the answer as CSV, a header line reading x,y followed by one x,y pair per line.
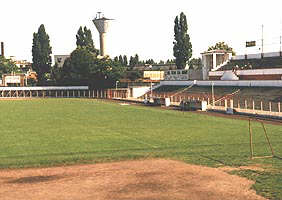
x,y
146,180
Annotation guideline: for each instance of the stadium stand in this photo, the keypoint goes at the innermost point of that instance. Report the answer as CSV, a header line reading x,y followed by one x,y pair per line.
x,y
223,92
264,63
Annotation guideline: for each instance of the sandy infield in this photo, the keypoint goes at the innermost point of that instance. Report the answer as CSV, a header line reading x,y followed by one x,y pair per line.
x,y
141,180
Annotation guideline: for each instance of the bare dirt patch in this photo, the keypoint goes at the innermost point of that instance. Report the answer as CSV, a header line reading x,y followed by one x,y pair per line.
x,y
147,179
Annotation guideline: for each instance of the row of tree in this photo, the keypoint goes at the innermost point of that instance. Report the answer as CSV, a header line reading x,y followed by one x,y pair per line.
x,y
84,67
134,61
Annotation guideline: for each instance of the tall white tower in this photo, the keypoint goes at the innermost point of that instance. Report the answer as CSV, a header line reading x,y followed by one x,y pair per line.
x,y
102,25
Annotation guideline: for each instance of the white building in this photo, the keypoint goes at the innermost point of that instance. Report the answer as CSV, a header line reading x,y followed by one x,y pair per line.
x,y
60,59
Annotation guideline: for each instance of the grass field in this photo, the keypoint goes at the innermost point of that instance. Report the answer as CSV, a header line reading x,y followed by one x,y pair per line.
x,y
45,132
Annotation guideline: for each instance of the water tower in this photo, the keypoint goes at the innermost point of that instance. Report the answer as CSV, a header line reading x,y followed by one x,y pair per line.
x,y
102,25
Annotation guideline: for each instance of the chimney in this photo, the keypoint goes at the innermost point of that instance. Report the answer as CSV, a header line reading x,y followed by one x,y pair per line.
x,y
2,49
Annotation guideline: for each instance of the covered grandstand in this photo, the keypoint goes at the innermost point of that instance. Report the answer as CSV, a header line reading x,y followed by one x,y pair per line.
x,y
250,67
246,64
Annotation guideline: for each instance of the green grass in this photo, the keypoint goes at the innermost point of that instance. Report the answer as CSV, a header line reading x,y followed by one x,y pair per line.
x,y
46,132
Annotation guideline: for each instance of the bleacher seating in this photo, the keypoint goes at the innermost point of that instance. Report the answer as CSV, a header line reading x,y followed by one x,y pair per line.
x,y
264,63
258,93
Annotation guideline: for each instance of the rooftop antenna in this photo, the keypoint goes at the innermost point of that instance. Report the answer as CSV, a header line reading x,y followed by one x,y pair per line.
x,y
102,25
280,36
262,38
99,15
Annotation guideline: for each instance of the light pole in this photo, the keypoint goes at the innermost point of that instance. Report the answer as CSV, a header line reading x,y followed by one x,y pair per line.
x,y
212,83
116,89
116,84
151,90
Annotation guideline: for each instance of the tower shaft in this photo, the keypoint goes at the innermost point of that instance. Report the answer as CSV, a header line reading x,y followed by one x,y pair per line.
x,y
2,49
102,24
102,44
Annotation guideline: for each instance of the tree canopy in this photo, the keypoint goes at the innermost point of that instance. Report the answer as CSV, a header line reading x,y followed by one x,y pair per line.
x,y
7,66
84,40
84,68
195,63
222,46
41,55
182,49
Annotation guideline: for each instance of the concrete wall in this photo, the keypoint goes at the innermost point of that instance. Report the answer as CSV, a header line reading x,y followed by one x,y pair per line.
x,y
195,74
252,74
240,83
45,88
182,75
139,91
256,56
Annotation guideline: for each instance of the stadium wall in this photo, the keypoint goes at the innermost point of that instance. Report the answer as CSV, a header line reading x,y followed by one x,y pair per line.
x,y
255,74
256,56
240,83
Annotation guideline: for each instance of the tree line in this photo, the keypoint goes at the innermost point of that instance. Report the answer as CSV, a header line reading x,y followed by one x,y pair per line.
x,y
85,67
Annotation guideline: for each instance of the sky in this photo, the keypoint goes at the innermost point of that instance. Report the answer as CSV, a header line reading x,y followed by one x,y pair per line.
x,y
143,27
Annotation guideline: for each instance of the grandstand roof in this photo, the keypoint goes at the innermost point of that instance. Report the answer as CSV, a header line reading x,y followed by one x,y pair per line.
x,y
218,51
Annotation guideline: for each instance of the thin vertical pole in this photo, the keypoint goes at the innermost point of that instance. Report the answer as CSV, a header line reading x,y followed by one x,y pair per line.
x,y
212,94
262,39
251,140
267,139
253,105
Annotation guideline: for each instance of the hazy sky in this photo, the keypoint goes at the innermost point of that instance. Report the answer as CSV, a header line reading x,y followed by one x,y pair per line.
x,y
141,26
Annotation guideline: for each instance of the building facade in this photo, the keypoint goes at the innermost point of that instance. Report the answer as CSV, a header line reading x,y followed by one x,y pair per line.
x,y
60,59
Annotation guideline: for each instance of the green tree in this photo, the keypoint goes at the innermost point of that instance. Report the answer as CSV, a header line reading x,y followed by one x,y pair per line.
x,y
125,61
161,62
84,68
84,40
120,59
133,61
136,59
150,62
182,49
195,63
172,61
7,66
222,46
41,55
116,59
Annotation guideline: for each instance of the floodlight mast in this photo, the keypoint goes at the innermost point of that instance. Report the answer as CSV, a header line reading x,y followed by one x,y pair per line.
x,y
102,25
